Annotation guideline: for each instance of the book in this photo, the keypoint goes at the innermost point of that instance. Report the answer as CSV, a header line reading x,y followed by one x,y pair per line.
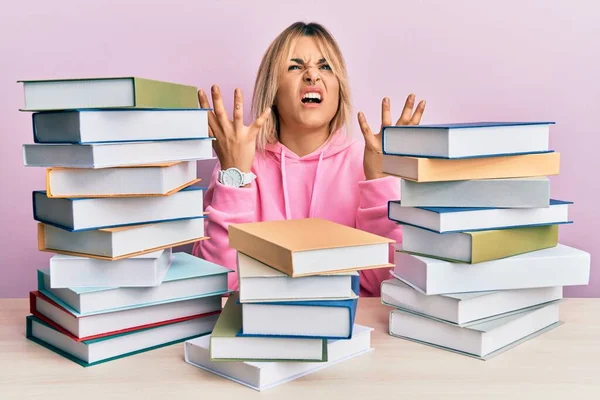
x,y
132,181
79,214
331,319
139,271
265,375
420,169
81,328
96,351
106,92
101,126
115,154
123,242
189,277
482,341
556,266
310,246
478,246
464,309
225,345
461,219
260,283
462,140
531,192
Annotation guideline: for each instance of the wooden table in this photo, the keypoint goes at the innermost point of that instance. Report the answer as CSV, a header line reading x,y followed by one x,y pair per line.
x,y
561,363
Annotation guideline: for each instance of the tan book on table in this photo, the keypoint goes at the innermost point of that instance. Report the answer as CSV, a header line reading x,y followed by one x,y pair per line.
x,y
310,246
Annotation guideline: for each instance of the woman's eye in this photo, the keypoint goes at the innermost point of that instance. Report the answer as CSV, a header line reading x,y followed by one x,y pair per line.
x,y
292,67
326,66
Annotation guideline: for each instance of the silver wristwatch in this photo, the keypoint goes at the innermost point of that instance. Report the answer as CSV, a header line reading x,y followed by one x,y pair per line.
x,y
235,178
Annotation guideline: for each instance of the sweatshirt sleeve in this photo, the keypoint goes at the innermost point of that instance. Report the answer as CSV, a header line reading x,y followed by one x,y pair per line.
x,y
225,205
372,216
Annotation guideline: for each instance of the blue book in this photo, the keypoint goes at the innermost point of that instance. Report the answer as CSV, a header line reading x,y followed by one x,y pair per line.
x,y
188,277
467,140
84,214
470,219
324,319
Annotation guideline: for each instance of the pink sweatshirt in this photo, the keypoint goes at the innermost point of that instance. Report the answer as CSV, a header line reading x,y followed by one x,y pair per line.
x,y
328,183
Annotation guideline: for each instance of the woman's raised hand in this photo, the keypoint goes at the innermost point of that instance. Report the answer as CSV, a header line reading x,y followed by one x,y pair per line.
x,y
235,142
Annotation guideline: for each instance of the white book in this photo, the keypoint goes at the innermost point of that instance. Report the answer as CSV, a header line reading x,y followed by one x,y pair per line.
x,y
110,323
457,219
325,319
122,242
556,266
189,277
88,353
527,192
265,375
474,139
260,283
139,271
115,154
98,126
149,180
464,309
483,340
107,212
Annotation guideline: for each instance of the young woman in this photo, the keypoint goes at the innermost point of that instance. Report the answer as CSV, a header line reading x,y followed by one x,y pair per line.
x,y
296,160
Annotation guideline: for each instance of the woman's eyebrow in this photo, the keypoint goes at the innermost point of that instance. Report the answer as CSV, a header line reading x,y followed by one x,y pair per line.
x,y
301,61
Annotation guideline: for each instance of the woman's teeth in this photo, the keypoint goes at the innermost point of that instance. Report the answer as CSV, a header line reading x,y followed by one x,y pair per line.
x,y
311,98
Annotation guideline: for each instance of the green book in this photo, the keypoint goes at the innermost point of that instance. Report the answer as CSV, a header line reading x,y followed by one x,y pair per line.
x,y
478,246
107,93
226,345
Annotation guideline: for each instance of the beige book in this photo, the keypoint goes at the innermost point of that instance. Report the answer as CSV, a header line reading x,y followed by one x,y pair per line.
x,y
310,246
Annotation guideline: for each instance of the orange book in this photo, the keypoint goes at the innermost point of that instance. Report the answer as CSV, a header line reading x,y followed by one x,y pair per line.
x,y
420,169
310,246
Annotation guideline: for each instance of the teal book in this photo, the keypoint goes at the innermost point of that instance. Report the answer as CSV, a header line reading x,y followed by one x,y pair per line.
x,y
96,351
188,277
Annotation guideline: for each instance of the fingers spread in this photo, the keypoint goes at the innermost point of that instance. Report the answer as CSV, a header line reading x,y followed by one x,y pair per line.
x,y
220,112
260,121
416,118
213,125
364,126
407,111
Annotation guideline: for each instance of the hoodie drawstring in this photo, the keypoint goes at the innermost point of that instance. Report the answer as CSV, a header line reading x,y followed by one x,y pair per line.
x,y
313,196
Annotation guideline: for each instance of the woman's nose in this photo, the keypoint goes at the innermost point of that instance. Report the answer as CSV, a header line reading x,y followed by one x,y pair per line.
x,y
312,75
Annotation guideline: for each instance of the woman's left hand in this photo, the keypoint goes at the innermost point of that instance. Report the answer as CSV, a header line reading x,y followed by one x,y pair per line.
x,y
373,144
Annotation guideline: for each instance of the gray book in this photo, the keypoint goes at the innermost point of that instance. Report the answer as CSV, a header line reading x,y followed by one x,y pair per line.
x,y
507,192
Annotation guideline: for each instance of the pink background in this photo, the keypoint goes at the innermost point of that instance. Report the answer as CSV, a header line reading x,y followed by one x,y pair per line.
x,y
471,60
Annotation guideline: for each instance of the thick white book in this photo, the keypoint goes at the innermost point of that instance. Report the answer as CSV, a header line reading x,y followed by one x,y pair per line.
x,y
78,214
557,266
101,126
473,139
464,309
484,340
265,375
527,192
261,283
118,321
92,352
189,277
115,154
148,180
139,271
459,219
122,242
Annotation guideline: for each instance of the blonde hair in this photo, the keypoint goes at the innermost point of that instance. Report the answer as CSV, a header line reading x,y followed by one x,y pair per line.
x,y
271,66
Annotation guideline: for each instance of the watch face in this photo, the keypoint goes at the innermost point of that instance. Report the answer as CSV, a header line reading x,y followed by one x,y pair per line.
x,y
232,178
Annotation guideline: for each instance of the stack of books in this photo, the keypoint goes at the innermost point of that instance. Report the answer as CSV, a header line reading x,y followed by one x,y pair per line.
x,y
295,310
480,268
120,155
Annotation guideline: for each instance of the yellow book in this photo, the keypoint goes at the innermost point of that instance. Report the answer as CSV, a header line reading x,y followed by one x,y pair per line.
x,y
420,169
109,92
478,246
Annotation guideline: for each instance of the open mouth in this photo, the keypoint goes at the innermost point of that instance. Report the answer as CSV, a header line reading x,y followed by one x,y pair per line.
x,y
312,98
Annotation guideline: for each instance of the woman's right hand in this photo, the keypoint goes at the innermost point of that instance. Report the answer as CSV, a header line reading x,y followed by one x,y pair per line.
x,y
235,142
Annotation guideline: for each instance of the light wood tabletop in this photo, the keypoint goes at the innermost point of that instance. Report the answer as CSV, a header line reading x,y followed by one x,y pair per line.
x,y
559,363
